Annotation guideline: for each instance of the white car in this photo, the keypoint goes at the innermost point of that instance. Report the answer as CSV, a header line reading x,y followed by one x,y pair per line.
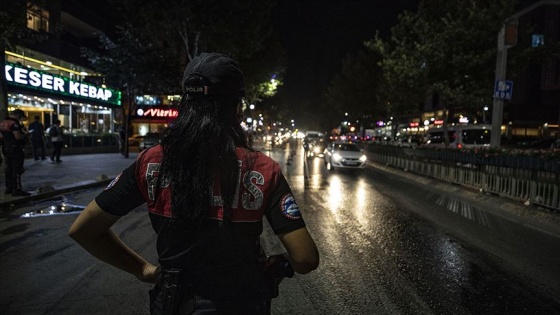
x,y
344,155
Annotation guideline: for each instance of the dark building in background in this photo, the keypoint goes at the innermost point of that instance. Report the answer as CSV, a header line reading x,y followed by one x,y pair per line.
x,y
534,109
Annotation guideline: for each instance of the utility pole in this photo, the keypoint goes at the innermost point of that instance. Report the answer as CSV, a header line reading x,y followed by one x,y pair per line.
x,y
506,41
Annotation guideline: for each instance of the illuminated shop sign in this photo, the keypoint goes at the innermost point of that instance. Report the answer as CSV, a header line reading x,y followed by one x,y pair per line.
x,y
43,81
157,112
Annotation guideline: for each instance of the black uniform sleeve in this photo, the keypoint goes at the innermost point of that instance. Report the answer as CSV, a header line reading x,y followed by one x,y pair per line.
x,y
122,195
283,213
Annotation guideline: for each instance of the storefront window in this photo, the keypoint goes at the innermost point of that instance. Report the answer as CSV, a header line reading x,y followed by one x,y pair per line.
x,y
93,119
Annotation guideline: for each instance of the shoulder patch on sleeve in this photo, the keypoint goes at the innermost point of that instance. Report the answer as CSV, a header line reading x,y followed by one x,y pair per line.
x,y
113,182
289,207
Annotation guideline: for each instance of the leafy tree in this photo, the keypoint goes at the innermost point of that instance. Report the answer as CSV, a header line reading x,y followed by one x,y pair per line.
x,y
447,48
403,64
156,39
136,66
241,29
354,89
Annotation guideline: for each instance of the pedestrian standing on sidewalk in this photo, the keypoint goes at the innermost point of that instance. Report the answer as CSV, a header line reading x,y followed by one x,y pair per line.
x,y
14,136
56,134
206,191
37,135
122,140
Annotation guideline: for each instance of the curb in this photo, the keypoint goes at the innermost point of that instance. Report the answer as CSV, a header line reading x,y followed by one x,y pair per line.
x,y
11,203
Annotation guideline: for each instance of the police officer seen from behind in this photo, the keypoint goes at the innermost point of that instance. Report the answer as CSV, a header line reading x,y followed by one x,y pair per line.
x,y
14,142
206,191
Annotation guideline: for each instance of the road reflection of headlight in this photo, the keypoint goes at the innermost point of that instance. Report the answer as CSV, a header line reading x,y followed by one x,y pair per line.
x,y
336,157
363,158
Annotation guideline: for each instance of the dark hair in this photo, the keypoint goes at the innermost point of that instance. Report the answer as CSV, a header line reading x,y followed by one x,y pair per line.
x,y
199,147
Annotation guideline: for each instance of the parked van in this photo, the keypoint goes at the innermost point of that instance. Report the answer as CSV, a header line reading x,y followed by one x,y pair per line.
x,y
460,136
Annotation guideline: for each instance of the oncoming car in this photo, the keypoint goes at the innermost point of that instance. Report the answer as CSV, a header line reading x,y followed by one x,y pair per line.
x,y
344,156
316,149
314,144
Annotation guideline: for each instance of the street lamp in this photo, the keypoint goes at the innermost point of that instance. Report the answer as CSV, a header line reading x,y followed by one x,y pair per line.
x,y
484,110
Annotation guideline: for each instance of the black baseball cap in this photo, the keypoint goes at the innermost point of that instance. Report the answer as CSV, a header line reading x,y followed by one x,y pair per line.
x,y
220,75
19,113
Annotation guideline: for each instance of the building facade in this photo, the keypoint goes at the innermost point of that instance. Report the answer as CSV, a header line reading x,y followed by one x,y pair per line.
x,y
49,77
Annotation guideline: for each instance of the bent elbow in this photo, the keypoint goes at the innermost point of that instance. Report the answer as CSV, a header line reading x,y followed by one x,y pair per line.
x,y
306,266
76,233
73,233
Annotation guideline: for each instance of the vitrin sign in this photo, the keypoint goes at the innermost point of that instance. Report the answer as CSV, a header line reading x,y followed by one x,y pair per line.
x,y
157,112
39,80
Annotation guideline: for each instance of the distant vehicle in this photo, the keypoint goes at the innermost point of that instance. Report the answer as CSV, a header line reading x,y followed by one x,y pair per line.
x,y
314,144
411,141
151,139
460,136
342,155
134,140
271,140
316,148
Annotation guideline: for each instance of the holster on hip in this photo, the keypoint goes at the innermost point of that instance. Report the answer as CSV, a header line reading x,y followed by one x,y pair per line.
x,y
175,293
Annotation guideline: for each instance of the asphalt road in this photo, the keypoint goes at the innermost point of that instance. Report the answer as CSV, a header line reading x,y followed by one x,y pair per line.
x,y
390,243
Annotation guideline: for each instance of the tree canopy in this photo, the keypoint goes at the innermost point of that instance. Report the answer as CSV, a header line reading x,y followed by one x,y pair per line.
x,y
180,30
445,51
354,88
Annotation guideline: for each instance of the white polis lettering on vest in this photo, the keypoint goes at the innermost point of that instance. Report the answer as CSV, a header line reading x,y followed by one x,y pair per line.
x,y
56,84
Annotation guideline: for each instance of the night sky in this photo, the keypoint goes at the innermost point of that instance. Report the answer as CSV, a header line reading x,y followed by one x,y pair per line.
x,y
318,34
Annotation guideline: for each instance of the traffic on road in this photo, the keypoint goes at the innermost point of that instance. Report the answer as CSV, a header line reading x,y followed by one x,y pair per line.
x,y
391,242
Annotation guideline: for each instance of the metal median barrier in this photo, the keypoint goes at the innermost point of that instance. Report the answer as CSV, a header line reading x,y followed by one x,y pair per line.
x,y
531,178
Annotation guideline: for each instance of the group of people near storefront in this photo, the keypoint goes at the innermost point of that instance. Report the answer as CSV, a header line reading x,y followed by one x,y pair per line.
x,y
13,139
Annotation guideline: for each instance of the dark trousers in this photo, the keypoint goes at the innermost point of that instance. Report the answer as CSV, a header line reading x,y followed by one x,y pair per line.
x,y
200,306
14,169
38,147
57,150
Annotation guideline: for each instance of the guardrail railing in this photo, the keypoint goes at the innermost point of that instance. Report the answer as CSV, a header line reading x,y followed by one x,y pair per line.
x,y
531,179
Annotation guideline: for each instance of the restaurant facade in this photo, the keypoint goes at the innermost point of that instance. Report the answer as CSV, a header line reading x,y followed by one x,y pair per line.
x,y
52,89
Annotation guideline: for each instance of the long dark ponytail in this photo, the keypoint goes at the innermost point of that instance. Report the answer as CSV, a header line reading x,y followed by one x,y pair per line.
x,y
199,147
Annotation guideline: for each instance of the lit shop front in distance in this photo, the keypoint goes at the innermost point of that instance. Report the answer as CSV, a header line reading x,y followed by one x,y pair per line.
x,y
53,92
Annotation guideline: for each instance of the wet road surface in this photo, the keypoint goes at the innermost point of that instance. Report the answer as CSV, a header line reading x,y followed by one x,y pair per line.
x,y
392,245
388,244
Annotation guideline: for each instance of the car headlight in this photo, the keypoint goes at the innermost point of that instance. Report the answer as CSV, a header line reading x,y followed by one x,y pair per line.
x,y
336,157
363,158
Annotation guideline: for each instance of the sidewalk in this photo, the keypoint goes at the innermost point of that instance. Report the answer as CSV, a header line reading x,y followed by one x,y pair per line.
x,y
44,178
